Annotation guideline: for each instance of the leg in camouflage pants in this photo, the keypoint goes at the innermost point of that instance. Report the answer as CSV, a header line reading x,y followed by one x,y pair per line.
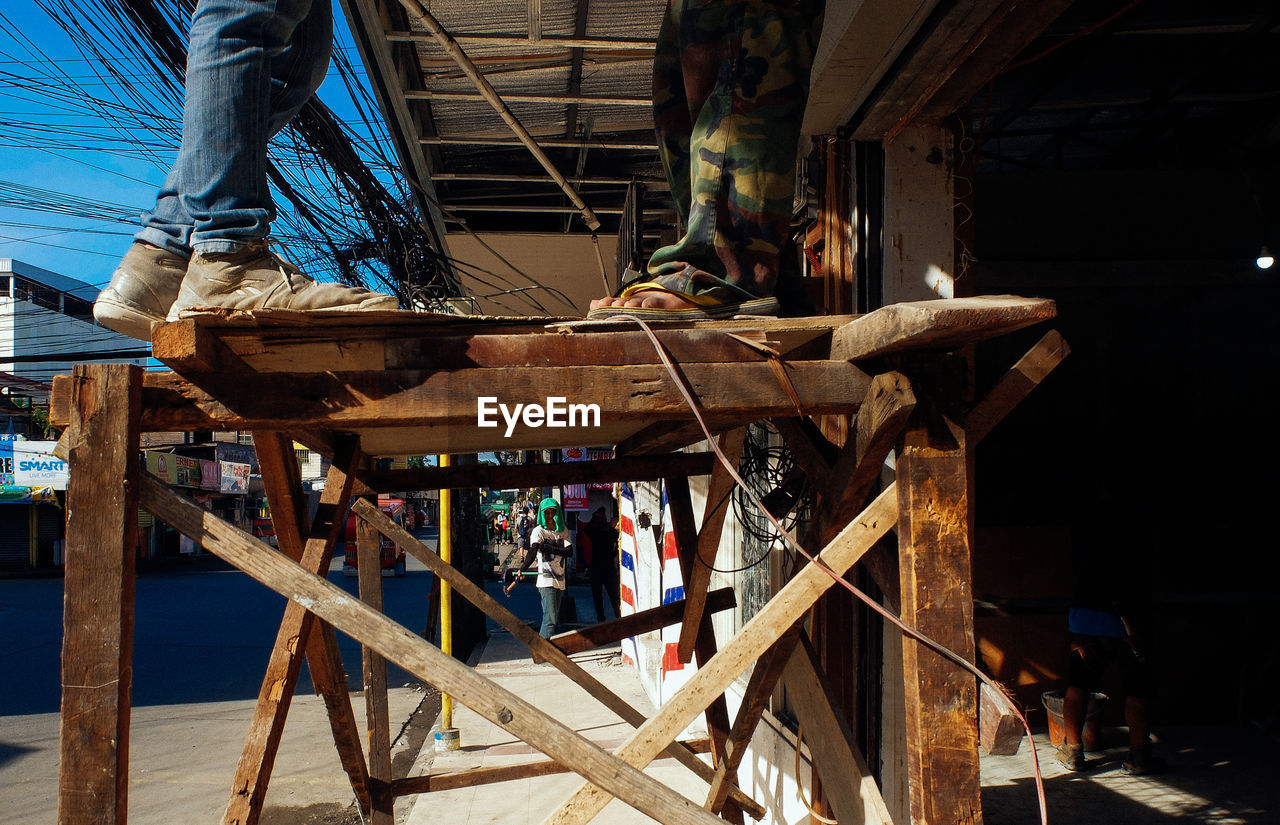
x,y
730,82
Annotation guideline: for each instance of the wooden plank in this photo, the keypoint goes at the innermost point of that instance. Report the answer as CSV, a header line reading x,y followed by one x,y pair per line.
x,y
539,646
911,83
1021,379
846,782
700,564
345,401
501,773
985,56
941,324
191,349
618,348
761,632
282,479
999,728
603,633
682,519
764,677
661,437
936,592
324,661
643,468
262,742
367,626
377,714
104,403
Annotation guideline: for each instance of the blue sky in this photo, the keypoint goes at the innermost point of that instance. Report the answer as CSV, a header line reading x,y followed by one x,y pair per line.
x,y
85,248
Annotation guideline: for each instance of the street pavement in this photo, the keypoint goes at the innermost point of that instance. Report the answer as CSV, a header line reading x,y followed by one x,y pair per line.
x,y
203,634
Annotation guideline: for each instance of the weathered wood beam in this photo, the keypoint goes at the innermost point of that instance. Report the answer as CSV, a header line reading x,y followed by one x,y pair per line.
x,y
699,564
274,350
687,540
1015,385
416,398
846,781
640,468
999,728
377,712
540,647
936,594
760,633
102,439
941,324
282,480
367,626
501,773
646,621
262,742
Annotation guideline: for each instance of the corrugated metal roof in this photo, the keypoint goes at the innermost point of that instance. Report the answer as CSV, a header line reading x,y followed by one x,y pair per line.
x,y
582,100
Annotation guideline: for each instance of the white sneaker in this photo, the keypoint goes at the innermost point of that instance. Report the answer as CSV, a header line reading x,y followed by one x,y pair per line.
x,y
142,290
257,278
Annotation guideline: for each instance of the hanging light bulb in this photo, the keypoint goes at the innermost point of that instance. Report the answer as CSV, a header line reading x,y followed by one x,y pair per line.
x,y
1265,258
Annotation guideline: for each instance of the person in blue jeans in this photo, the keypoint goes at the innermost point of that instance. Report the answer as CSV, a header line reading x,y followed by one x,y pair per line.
x,y
251,66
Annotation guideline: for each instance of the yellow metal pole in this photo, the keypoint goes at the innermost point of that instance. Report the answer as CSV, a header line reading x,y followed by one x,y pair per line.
x,y
447,737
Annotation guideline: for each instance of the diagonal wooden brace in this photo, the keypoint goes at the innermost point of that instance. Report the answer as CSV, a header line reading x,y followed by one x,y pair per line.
x,y
541,647
764,629
699,573
253,774
283,483
401,645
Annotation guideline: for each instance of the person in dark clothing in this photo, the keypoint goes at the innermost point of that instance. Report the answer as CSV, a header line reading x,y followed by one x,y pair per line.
x,y
604,562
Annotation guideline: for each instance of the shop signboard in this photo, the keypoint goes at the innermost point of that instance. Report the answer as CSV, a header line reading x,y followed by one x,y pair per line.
x,y
35,465
6,462
163,467
188,470
235,478
574,496
210,475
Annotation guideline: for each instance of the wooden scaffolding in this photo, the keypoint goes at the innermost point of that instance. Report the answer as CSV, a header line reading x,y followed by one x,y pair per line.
x,y
358,386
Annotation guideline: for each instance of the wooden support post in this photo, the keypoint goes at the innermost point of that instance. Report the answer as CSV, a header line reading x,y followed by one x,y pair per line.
x,y
282,480
97,617
846,782
764,629
367,626
377,715
936,569
687,544
249,788
699,568
538,645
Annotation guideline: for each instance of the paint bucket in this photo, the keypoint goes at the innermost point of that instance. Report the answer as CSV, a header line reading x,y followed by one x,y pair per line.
x,y
449,739
1053,700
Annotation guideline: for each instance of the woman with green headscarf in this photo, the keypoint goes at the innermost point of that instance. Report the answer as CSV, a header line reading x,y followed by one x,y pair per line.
x,y
549,545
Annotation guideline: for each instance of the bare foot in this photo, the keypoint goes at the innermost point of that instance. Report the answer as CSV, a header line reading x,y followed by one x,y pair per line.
x,y
647,299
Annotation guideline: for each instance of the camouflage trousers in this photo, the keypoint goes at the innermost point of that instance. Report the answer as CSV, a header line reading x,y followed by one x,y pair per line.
x,y
730,82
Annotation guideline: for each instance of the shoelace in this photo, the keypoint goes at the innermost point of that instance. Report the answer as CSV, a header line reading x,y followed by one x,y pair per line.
x,y
288,270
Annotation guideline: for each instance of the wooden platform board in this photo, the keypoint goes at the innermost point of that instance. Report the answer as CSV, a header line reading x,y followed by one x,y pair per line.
x,y
408,383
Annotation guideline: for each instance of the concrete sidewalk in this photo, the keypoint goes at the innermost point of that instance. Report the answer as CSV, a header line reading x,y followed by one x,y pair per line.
x,y
527,801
